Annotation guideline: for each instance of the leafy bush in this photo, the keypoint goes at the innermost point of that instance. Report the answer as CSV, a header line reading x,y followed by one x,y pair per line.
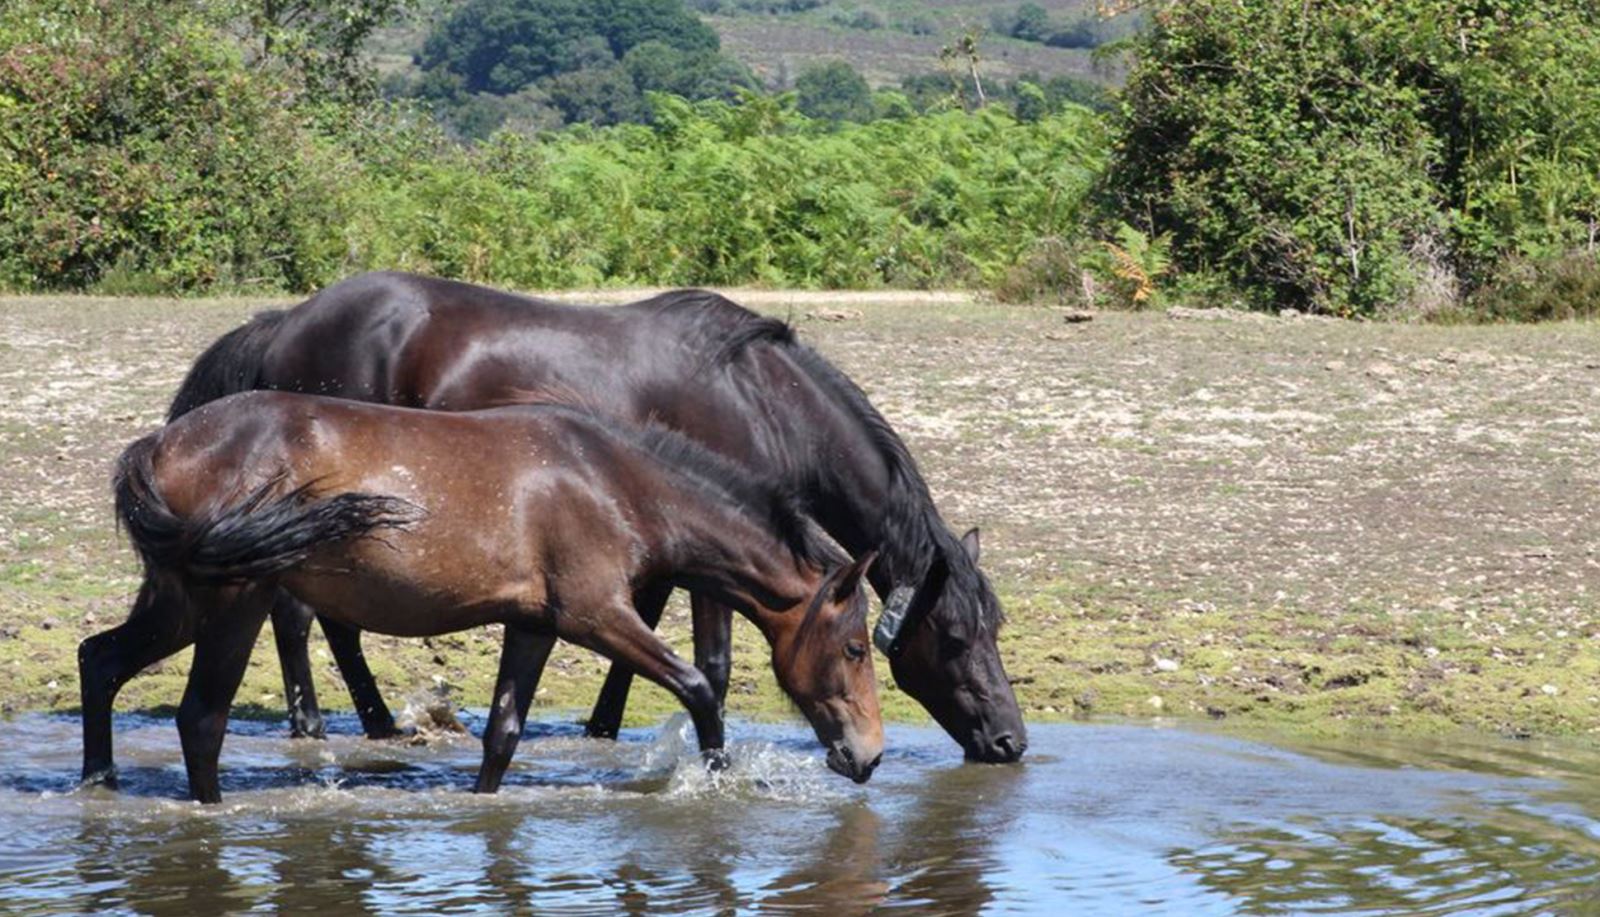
x,y
133,140
1305,151
729,194
833,91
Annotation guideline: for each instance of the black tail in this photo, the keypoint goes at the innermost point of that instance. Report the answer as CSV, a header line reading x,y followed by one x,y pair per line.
x,y
231,364
254,537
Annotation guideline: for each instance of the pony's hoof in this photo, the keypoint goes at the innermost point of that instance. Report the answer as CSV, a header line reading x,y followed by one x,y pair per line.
x,y
308,728
717,760
106,777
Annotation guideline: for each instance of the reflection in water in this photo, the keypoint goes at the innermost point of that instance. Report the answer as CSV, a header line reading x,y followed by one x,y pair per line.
x,y
944,840
1099,818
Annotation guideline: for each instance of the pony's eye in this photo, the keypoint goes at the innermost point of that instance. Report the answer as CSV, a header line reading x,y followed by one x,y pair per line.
x,y
855,650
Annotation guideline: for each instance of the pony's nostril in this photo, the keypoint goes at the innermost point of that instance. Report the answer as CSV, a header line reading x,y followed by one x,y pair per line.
x,y
873,764
1010,749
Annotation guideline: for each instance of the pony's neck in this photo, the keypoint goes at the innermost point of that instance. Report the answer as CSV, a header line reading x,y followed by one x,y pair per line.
x,y
740,563
904,528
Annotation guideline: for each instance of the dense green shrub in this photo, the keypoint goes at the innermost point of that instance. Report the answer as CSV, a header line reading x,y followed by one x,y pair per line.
x,y
723,194
1306,152
135,143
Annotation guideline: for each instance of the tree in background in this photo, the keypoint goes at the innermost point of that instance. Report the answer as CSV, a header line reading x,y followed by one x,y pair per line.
x,y
594,62
656,66
501,46
833,91
1032,23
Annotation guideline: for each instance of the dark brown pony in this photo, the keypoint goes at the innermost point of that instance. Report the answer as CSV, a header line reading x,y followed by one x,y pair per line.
x,y
547,520
732,380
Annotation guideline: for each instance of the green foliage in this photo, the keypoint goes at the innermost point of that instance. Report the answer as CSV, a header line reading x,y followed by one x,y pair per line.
x,y
1032,22
1031,104
138,152
834,91
509,63
1305,152
135,143
1132,266
733,194
1127,273
655,66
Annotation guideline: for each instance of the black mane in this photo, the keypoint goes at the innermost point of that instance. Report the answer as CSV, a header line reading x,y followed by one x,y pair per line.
x,y
912,531
731,327
770,505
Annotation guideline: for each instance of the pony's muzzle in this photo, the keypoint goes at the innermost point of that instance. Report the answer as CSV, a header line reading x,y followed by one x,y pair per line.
x,y
843,760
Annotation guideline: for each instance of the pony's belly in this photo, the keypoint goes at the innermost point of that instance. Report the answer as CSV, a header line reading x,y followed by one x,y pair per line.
x,y
406,608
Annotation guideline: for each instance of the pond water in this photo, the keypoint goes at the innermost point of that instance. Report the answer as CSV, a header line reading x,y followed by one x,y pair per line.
x,y
1101,818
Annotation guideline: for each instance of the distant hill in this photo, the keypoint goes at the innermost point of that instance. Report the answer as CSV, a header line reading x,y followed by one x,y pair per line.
x,y
884,39
890,39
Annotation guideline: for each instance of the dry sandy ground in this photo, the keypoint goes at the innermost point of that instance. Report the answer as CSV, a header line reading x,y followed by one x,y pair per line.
x,y
1307,524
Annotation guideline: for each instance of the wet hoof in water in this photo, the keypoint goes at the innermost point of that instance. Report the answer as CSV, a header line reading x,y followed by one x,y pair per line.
x,y
716,760
308,728
103,778
595,730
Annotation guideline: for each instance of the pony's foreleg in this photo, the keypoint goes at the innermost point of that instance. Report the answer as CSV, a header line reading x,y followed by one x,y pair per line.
x,y
522,660
158,626
221,651
606,719
345,643
291,627
626,640
713,643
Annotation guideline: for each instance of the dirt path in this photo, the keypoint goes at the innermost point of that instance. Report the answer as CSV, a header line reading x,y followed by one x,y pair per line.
x,y
1289,521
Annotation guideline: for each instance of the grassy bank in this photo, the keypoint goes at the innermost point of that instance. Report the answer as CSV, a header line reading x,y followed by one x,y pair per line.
x,y
1293,524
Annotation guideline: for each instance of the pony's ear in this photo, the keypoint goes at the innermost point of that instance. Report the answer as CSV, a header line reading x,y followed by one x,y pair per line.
x,y
845,586
969,543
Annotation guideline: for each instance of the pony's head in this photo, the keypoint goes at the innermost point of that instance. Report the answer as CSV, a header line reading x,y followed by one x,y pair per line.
x,y
822,656
940,637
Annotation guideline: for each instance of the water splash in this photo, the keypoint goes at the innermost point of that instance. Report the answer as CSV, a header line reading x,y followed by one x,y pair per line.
x,y
431,716
757,769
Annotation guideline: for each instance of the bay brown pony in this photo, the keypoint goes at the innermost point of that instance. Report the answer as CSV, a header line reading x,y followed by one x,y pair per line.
x,y
736,382
545,519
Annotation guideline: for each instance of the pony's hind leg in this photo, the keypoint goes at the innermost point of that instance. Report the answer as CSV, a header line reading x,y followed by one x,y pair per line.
x,y
158,626
222,648
291,628
522,660
713,643
606,720
345,643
